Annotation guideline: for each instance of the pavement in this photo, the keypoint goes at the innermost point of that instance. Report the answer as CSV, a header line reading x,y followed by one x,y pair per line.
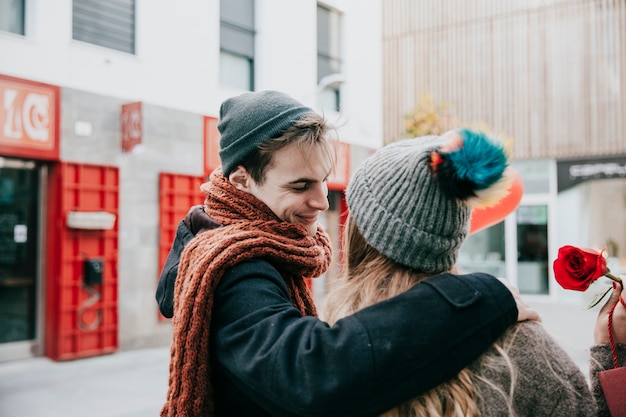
x,y
124,384
134,383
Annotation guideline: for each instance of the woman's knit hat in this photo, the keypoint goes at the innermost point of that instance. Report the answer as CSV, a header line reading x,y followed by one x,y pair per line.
x,y
251,119
412,199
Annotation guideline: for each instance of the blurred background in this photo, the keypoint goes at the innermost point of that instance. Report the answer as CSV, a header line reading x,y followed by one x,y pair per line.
x,y
108,127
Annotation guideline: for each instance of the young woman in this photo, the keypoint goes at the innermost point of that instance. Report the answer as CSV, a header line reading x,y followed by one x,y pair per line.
x,y
410,205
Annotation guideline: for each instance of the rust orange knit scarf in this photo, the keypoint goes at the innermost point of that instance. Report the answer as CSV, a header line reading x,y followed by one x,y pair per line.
x,y
250,230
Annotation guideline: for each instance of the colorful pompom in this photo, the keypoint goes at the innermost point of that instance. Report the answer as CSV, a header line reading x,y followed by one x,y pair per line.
x,y
472,169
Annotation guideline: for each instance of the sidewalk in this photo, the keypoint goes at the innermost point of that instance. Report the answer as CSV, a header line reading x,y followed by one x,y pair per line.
x,y
124,384
134,383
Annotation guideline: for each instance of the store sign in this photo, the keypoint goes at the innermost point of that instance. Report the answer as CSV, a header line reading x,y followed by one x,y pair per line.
x,y
341,175
211,144
571,173
29,119
132,126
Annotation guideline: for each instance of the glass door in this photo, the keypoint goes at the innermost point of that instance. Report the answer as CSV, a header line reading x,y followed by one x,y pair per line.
x,y
19,258
532,249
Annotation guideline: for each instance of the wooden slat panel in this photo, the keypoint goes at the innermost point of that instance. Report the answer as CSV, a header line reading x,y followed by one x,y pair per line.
x,y
548,73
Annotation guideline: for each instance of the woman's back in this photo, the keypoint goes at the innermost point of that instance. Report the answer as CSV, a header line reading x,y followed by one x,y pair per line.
x,y
527,373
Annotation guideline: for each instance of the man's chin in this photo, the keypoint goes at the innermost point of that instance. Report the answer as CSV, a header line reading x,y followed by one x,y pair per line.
x,y
311,229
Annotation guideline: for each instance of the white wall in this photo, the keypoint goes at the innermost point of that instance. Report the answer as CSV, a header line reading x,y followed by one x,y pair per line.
x,y
363,69
177,57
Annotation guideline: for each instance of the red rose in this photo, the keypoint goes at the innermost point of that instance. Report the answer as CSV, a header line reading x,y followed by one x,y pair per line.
x,y
576,269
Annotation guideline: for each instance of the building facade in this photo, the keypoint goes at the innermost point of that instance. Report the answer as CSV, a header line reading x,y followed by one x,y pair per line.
x,y
108,116
549,77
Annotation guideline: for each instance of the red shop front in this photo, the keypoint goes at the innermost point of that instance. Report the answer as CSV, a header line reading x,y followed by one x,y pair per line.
x,y
58,235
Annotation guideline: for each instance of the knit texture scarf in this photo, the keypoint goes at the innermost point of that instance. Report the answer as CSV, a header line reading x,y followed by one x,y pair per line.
x,y
250,230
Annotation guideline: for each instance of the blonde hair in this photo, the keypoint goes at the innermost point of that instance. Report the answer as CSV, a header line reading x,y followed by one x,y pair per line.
x,y
368,277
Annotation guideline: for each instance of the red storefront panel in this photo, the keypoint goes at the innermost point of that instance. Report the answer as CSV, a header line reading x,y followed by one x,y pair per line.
x,y
211,144
177,194
339,178
82,275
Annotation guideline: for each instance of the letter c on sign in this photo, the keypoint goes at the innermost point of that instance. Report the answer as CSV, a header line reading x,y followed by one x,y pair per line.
x,y
36,116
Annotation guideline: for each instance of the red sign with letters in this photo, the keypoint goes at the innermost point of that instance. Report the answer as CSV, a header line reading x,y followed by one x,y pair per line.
x,y
132,126
341,175
211,145
29,119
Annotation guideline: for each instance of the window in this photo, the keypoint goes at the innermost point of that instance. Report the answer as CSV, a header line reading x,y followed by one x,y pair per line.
x,y
532,249
329,76
12,16
110,23
237,33
484,251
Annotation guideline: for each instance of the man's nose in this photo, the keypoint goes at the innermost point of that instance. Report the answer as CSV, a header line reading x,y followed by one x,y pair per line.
x,y
319,199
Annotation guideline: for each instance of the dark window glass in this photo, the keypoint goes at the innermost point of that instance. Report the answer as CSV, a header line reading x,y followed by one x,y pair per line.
x,y
237,33
328,57
19,202
328,48
532,249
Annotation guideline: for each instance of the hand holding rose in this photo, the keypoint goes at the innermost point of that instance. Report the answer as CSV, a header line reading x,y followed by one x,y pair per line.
x,y
601,331
576,269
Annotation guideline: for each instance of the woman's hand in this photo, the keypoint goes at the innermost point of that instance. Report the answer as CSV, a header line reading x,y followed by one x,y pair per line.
x,y
601,331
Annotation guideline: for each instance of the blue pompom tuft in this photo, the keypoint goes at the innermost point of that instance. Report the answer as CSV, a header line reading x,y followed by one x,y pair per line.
x,y
480,160
466,168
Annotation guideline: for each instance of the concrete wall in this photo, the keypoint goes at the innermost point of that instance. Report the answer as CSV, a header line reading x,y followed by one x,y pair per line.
x,y
172,142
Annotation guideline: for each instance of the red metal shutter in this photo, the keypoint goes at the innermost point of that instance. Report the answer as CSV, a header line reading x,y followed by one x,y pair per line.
x,y
82,317
178,193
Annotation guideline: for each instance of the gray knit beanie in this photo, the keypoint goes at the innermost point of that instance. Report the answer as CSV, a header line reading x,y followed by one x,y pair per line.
x,y
251,119
410,199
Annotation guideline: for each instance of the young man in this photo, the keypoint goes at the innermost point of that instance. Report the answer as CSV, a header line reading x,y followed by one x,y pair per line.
x,y
246,340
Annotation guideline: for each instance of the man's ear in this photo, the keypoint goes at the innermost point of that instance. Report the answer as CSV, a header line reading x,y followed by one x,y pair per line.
x,y
240,179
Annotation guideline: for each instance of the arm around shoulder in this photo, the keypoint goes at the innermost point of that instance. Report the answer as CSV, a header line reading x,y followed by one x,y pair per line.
x,y
439,327
366,363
